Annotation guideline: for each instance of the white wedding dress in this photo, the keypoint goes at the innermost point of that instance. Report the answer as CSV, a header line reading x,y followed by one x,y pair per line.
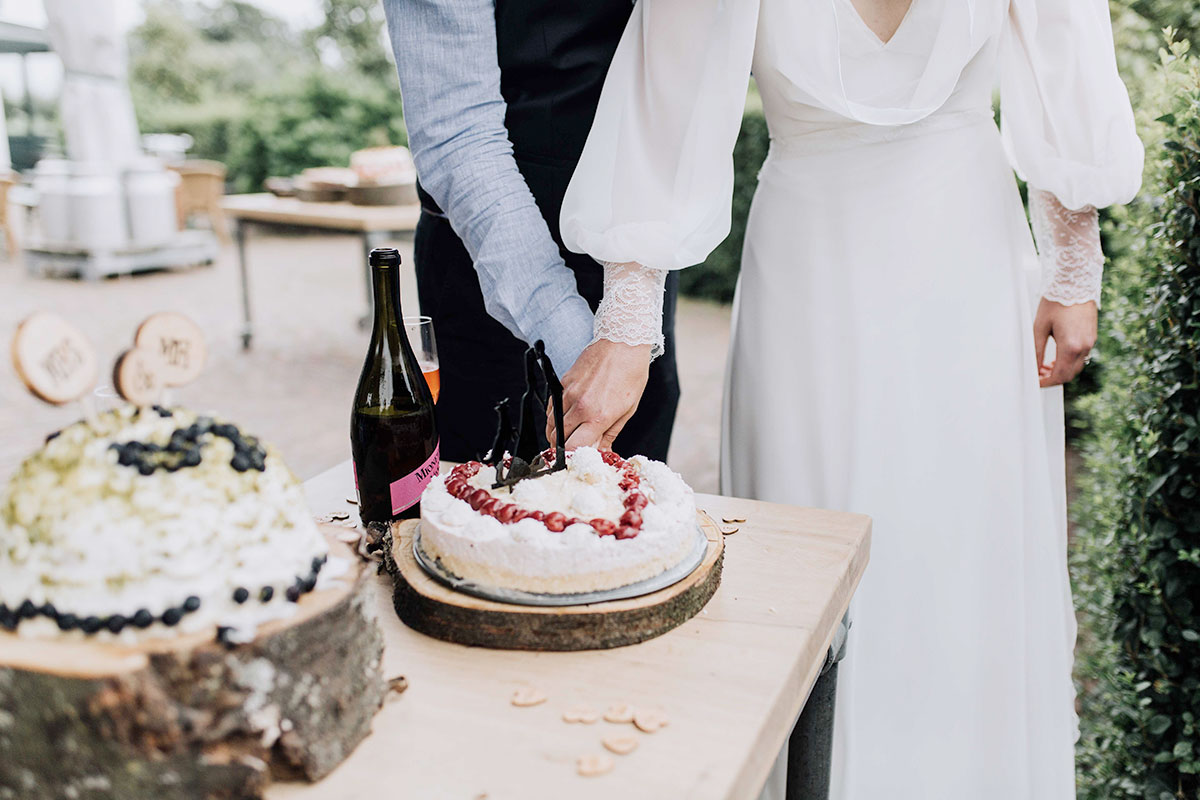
x,y
883,352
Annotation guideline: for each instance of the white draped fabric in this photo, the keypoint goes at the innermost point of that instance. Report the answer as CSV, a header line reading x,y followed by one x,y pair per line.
x,y
882,358
97,111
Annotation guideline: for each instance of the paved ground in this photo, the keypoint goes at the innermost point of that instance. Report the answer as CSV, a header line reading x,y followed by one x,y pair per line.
x,y
294,388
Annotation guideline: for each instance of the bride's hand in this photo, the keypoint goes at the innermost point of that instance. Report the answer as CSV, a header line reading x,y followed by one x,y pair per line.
x,y
1073,329
601,392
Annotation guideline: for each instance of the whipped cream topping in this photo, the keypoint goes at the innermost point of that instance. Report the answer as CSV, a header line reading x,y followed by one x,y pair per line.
x,y
527,555
88,530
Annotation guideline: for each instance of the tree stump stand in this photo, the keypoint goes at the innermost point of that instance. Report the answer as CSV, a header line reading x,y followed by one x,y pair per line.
x,y
430,607
188,717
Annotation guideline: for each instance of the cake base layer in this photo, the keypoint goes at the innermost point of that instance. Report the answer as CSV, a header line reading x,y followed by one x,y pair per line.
x,y
189,717
427,606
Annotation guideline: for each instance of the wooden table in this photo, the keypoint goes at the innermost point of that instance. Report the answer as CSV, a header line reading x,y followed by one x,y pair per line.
x,y
732,681
374,224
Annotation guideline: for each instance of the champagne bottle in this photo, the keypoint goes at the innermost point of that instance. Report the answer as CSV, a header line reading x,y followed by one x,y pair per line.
x,y
393,433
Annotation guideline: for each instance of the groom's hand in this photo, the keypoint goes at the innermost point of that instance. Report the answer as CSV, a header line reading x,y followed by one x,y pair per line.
x,y
601,392
1073,329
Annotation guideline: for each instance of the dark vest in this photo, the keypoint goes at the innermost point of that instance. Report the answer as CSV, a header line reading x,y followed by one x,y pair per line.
x,y
553,57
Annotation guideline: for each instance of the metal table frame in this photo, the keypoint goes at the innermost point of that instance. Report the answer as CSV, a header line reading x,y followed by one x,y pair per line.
x,y
375,225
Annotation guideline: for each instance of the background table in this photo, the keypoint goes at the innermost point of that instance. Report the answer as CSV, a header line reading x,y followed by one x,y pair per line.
x,y
732,681
374,224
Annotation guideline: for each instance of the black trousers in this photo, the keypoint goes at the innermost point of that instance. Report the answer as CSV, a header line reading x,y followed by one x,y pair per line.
x,y
482,363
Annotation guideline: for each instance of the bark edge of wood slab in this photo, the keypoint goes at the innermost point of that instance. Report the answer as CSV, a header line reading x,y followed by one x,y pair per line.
x,y
436,610
188,717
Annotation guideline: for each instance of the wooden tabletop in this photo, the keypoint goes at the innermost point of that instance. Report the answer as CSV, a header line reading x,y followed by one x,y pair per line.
x,y
265,207
731,681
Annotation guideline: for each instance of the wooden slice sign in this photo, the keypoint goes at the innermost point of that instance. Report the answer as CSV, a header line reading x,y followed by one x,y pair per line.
x,y
138,376
179,344
54,360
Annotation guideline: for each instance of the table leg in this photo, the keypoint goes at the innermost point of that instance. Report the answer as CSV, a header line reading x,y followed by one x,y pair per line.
x,y
810,748
239,228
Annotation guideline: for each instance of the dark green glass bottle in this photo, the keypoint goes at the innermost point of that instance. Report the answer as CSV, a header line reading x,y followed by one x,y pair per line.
x,y
393,433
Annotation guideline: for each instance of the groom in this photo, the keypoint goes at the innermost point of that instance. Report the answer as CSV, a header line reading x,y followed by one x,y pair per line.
x,y
499,96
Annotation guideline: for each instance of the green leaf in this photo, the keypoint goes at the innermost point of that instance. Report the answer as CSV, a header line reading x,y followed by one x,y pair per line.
x,y
1158,724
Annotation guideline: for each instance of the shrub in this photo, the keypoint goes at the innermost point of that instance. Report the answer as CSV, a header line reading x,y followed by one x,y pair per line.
x,y
316,120
1137,562
212,124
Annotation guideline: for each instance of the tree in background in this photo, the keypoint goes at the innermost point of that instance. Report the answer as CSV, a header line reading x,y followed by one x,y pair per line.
x,y
192,53
354,30
260,97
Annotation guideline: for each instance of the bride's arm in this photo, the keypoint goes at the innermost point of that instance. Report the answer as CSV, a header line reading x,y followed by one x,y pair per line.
x,y
1069,131
653,187
1072,260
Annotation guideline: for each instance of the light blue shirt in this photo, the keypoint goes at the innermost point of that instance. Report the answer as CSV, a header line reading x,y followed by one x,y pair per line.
x,y
450,84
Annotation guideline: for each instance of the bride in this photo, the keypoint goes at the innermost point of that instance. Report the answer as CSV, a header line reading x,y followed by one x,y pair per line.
x,y
887,356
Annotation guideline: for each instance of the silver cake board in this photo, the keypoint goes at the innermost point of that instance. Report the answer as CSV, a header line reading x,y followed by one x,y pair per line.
x,y
438,572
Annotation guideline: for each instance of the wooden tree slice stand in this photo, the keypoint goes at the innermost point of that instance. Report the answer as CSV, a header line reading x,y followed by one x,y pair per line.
x,y
188,717
434,609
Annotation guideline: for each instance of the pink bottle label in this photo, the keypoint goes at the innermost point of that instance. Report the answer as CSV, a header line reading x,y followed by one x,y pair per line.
x,y
407,491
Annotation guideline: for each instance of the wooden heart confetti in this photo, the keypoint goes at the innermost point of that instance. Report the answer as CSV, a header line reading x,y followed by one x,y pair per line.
x,y
590,765
528,696
728,520
620,712
621,744
649,721
585,714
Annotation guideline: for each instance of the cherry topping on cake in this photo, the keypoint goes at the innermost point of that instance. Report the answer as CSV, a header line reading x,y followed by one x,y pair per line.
x,y
612,459
478,497
633,500
604,527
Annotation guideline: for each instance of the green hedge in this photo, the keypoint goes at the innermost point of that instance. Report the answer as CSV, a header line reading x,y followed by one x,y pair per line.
x,y
213,125
1137,560
315,119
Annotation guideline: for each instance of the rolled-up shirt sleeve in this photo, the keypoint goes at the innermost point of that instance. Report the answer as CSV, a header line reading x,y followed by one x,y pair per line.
x,y
450,84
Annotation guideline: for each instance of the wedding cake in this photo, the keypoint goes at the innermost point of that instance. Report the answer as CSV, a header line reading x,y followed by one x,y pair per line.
x,y
151,523
601,523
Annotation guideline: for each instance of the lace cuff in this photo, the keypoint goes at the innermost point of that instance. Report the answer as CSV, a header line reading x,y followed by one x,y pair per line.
x,y
631,311
1069,249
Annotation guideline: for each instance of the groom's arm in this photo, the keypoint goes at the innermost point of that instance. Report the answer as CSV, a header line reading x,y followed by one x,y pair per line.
x,y
450,82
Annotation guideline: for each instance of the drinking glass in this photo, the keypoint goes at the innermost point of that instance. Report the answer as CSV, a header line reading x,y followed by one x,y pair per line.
x,y
420,336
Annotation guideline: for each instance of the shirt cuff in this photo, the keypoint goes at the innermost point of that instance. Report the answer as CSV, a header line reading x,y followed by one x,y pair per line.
x,y
566,331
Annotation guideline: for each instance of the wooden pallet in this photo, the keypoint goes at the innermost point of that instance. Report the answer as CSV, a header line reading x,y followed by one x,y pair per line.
x,y
190,248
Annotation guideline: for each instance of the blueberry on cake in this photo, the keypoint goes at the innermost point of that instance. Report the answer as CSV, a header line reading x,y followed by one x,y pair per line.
x,y
154,522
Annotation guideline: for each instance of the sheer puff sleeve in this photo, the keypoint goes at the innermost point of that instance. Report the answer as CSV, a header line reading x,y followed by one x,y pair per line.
x,y
1065,115
655,181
